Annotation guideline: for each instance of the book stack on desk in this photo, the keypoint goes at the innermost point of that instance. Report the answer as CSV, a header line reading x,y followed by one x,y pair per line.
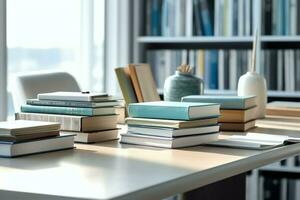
x,y
23,137
171,124
238,113
91,116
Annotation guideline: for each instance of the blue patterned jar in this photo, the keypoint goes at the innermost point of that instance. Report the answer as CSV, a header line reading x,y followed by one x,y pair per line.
x,y
182,84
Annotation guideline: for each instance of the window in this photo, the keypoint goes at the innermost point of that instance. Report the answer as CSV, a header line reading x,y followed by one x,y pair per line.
x,y
57,35
63,35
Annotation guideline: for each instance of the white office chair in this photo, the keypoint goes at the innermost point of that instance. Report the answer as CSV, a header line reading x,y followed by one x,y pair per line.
x,y
29,85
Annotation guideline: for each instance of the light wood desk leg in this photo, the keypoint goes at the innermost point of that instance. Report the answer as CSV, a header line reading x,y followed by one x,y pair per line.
x,y
233,188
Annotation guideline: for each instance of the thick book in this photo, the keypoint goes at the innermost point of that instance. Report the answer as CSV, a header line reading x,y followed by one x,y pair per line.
x,y
125,84
226,102
173,110
74,123
68,110
283,108
177,124
14,149
165,142
22,127
231,126
74,96
93,137
171,132
81,104
238,115
255,141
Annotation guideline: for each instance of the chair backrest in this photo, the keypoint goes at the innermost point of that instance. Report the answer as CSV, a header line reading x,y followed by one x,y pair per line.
x,y
28,86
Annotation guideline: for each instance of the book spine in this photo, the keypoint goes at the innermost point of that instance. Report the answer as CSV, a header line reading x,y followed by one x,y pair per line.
x,y
68,123
158,112
57,110
59,103
206,18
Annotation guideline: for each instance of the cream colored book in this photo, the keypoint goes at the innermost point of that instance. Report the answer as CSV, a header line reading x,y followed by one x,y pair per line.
x,y
93,137
22,127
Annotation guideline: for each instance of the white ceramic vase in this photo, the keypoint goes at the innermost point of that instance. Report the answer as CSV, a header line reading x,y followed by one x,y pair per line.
x,y
252,83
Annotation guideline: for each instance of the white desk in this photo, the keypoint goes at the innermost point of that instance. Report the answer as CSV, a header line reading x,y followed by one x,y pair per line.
x,y
113,171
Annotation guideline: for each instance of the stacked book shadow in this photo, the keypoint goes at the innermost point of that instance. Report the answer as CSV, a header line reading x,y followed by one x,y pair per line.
x,y
21,137
90,116
171,124
238,113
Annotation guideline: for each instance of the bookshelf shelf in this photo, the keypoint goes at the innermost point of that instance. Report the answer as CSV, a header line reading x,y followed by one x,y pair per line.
x,y
217,42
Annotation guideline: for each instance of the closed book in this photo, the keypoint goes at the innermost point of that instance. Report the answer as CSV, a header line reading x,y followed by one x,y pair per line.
x,y
93,137
125,84
230,126
81,104
14,149
283,108
74,123
74,96
238,115
165,142
171,132
68,110
171,123
26,137
173,110
22,127
226,102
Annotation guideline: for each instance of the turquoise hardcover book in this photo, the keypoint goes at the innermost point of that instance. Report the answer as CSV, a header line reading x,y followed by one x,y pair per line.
x,y
68,110
226,102
173,110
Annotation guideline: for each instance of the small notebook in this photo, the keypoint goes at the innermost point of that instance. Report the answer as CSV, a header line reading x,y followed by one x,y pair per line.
x,y
257,141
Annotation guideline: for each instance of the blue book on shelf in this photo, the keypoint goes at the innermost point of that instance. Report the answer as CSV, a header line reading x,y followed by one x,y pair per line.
x,y
173,110
226,102
211,69
156,17
206,17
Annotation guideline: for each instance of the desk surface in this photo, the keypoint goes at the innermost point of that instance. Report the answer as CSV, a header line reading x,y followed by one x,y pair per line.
x,y
114,171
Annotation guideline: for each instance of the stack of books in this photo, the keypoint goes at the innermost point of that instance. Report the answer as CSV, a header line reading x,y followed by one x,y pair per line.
x,y
91,116
238,113
21,137
171,124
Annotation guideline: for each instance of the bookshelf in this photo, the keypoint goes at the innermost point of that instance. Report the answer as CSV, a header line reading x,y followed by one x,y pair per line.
x,y
144,42
260,12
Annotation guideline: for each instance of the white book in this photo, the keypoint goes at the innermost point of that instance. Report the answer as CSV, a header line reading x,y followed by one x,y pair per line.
x,y
11,149
255,141
229,18
241,19
170,132
221,70
73,96
292,70
217,18
247,18
22,127
189,18
297,52
233,69
165,142
287,70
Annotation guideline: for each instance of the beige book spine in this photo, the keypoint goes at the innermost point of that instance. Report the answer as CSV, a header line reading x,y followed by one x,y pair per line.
x,y
68,123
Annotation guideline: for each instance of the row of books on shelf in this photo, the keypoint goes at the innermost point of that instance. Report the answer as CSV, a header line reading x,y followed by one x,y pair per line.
x,y
221,69
280,17
278,186
198,17
220,17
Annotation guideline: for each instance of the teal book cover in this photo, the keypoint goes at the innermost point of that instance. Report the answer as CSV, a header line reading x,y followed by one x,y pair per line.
x,y
168,110
57,110
226,102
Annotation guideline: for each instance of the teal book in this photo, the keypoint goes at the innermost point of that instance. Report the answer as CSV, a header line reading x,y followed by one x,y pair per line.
x,y
226,102
173,110
68,110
